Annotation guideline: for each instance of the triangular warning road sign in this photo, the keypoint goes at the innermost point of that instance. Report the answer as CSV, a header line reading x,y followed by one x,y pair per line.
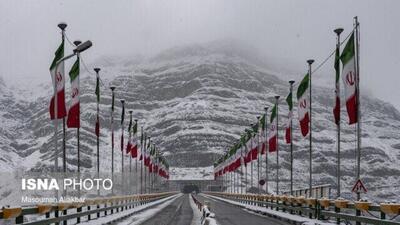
x,y
359,187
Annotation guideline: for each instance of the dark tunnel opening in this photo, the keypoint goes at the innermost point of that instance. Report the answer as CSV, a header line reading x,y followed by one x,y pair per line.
x,y
189,188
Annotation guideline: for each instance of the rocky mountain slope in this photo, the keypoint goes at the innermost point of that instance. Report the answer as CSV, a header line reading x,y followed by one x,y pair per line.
x,y
195,101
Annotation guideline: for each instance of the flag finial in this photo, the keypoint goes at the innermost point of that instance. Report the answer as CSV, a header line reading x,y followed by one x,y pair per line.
x,y
62,26
338,31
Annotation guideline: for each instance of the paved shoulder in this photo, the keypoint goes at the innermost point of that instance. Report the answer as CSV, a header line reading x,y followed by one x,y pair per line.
x,y
178,212
228,214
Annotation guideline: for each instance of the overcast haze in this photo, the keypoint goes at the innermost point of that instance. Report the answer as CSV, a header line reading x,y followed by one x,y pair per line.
x,y
285,32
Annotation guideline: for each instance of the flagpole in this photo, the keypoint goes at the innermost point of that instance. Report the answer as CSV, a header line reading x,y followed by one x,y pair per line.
x,y
251,162
122,144
62,26
141,161
277,145
98,143
130,158
144,168
76,43
291,82
64,131
266,150
112,133
137,156
245,168
241,169
258,157
338,31
357,24
310,61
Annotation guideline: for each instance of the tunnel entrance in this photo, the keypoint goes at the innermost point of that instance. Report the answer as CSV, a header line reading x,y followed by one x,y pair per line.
x,y
189,188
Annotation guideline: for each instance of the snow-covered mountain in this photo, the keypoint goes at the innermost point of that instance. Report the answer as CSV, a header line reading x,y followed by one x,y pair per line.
x,y
195,101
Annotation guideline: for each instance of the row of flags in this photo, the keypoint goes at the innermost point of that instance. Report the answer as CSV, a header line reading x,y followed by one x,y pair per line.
x,y
253,141
141,149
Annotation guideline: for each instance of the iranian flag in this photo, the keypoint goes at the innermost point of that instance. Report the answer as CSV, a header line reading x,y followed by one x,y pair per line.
x,y
336,109
262,133
273,131
112,120
129,145
73,120
134,148
304,105
122,123
146,156
254,150
289,101
59,82
349,78
97,130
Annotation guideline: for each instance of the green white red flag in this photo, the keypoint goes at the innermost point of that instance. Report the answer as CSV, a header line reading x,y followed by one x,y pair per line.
x,y
129,145
336,109
289,101
58,81
97,91
122,123
262,134
273,130
73,120
303,98
134,142
349,78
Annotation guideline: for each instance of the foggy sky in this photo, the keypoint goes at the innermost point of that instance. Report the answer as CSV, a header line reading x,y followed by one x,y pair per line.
x,y
287,32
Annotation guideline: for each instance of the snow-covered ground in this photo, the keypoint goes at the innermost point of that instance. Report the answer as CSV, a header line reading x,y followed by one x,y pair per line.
x,y
252,208
133,217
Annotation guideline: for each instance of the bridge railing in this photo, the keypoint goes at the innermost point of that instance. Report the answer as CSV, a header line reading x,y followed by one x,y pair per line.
x,y
319,191
91,209
322,209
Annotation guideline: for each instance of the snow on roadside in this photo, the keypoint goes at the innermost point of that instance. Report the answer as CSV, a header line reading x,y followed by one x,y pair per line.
x,y
302,220
196,212
141,216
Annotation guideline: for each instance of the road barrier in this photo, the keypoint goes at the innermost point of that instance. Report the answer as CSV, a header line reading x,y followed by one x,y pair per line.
x,y
90,208
322,209
207,217
197,202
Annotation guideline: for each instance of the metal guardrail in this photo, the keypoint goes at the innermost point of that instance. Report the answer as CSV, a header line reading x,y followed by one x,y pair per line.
x,y
197,202
207,217
322,209
96,206
319,191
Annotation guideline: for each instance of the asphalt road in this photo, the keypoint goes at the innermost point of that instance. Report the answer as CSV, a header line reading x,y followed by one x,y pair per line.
x,y
178,212
228,214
